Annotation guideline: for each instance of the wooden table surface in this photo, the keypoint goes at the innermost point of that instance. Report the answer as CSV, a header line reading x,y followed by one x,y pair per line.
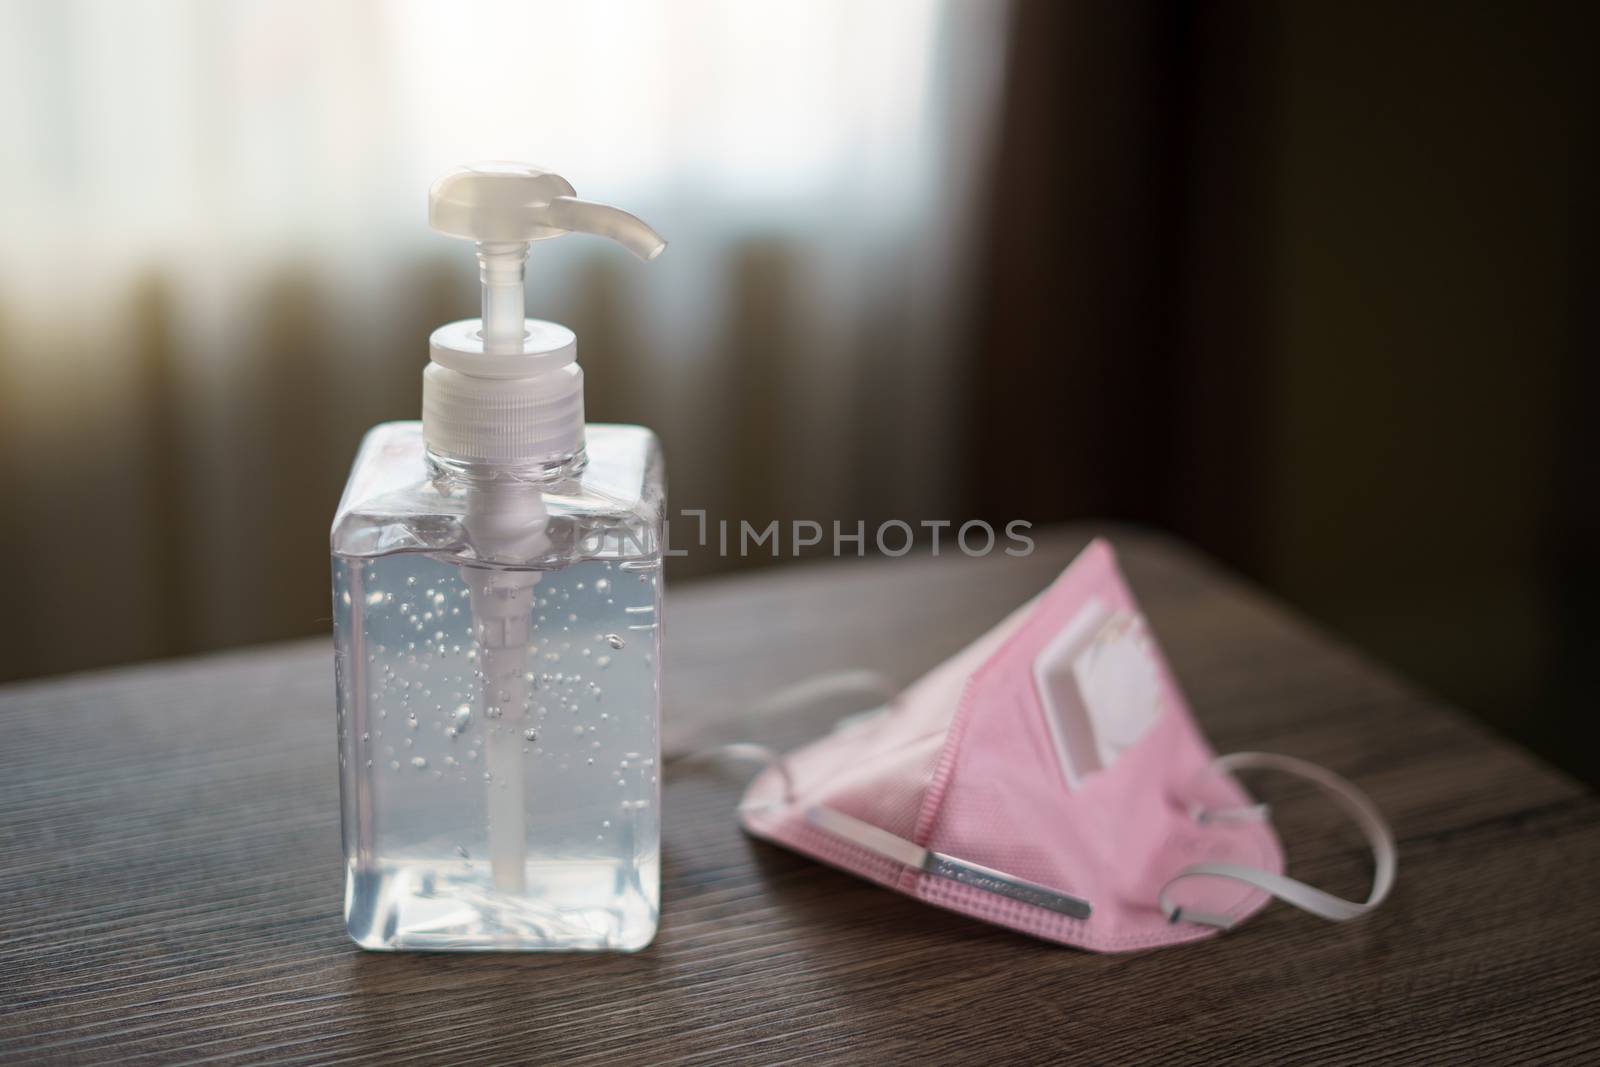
x,y
171,880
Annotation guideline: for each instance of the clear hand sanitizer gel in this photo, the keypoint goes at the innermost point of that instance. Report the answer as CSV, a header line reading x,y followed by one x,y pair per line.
x,y
497,602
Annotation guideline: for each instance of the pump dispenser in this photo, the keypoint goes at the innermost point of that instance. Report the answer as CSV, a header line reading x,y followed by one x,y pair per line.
x,y
497,590
505,389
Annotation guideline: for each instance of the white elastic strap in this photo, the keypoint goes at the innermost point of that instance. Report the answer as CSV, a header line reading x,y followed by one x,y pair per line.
x,y
791,699
742,750
1305,897
831,686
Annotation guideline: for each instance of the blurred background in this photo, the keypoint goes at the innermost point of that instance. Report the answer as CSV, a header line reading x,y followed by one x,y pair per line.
x,y
1305,284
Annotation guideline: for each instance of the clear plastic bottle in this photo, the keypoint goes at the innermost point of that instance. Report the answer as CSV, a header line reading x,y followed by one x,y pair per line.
x,y
497,603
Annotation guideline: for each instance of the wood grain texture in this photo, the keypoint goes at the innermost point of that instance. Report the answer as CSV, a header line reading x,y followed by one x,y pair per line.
x,y
171,882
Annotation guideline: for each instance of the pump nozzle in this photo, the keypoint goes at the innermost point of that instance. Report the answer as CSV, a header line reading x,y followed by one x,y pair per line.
x,y
505,202
504,206
603,220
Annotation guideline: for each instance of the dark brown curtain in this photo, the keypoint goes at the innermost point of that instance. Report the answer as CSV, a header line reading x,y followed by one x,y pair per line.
x,y
1308,285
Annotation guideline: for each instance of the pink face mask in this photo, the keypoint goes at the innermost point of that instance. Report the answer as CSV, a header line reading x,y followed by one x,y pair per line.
x,y
1050,778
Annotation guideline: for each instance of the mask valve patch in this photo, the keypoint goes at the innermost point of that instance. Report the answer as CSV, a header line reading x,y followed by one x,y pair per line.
x,y
1099,687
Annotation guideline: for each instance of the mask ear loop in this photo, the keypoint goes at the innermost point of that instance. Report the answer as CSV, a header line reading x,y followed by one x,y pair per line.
x,y
769,758
1307,898
791,699
871,686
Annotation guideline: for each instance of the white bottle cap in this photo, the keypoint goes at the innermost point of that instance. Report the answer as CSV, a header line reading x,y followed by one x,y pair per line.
x,y
504,389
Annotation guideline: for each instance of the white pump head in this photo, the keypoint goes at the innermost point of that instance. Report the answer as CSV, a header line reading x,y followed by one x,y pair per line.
x,y
505,389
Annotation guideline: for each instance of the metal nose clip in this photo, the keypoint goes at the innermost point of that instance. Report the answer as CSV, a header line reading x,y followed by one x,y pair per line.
x,y
980,877
875,839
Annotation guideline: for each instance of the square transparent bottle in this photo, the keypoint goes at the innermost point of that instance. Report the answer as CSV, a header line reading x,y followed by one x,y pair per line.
x,y
498,713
